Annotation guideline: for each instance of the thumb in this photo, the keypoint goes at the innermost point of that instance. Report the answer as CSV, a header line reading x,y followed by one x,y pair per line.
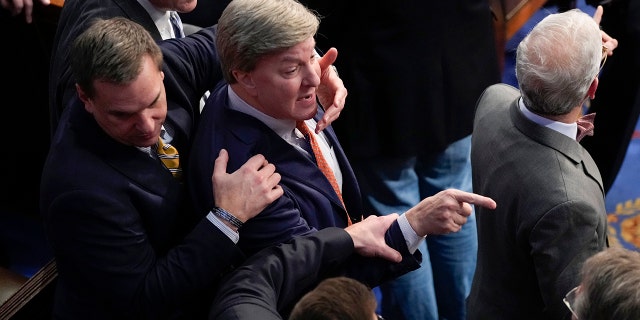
x,y
387,252
597,15
390,254
328,58
220,166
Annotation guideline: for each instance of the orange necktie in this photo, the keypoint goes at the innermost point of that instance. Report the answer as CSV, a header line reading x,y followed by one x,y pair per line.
x,y
321,161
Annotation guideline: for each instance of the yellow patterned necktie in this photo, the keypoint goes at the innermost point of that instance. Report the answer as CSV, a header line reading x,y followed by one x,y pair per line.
x,y
169,156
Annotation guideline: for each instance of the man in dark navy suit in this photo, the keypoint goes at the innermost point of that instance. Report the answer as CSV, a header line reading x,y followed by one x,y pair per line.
x,y
267,108
126,241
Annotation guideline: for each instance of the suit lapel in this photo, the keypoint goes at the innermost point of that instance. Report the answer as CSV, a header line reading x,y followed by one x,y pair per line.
x,y
129,161
350,189
283,155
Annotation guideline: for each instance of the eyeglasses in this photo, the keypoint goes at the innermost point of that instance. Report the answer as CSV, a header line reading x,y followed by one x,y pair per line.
x,y
604,57
379,317
569,300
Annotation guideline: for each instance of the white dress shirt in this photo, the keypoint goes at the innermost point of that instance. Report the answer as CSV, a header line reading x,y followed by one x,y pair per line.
x,y
160,18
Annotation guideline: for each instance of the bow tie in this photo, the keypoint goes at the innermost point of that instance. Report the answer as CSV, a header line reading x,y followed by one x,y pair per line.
x,y
585,126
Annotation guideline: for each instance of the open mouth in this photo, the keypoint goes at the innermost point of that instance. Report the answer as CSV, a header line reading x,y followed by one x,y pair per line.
x,y
310,96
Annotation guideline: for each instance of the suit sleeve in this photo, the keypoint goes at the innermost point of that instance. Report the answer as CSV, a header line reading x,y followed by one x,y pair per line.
x,y
271,281
191,67
561,241
374,271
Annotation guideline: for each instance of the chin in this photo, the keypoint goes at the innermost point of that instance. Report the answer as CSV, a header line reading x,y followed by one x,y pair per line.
x,y
311,113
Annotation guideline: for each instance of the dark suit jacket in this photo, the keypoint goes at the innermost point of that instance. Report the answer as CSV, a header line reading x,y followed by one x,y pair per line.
x,y
617,103
550,216
125,241
273,280
75,17
414,70
309,202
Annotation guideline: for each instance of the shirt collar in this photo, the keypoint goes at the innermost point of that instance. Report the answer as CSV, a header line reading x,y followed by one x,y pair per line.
x,y
160,18
568,129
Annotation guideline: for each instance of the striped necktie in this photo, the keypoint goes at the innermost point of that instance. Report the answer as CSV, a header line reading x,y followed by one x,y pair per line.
x,y
323,165
170,158
176,24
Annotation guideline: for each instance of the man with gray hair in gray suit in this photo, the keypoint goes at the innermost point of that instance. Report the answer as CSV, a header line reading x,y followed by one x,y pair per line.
x,y
525,154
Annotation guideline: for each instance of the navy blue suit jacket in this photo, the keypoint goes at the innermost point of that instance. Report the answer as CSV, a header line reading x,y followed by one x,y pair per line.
x,y
309,202
125,238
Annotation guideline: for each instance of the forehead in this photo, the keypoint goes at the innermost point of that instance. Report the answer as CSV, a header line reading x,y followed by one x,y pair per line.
x,y
301,51
138,93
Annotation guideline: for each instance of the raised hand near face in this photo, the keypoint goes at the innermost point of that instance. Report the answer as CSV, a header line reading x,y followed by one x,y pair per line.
x,y
331,92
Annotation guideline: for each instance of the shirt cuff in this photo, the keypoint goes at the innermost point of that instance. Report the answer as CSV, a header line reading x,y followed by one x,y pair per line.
x,y
410,236
233,236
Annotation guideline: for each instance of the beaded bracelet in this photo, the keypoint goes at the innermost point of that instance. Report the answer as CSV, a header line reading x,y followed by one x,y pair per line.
x,y
224,215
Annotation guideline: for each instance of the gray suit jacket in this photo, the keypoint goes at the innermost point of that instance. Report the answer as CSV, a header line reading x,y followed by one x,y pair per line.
x,y
550,216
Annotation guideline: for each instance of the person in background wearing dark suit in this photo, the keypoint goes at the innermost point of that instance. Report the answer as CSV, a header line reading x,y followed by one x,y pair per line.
x,y
414,70
305,274
154,16
526,154
126,240
269,107
617,104
608,288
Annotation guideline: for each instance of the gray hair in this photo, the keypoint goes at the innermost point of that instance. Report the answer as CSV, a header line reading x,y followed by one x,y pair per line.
x,y
111,50
557,62
610,286
250,29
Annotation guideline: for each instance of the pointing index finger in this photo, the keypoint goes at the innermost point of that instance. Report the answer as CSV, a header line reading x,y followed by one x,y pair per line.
x,y
476,199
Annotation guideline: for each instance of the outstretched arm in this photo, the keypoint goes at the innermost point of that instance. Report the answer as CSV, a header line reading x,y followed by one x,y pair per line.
x,y
445,212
